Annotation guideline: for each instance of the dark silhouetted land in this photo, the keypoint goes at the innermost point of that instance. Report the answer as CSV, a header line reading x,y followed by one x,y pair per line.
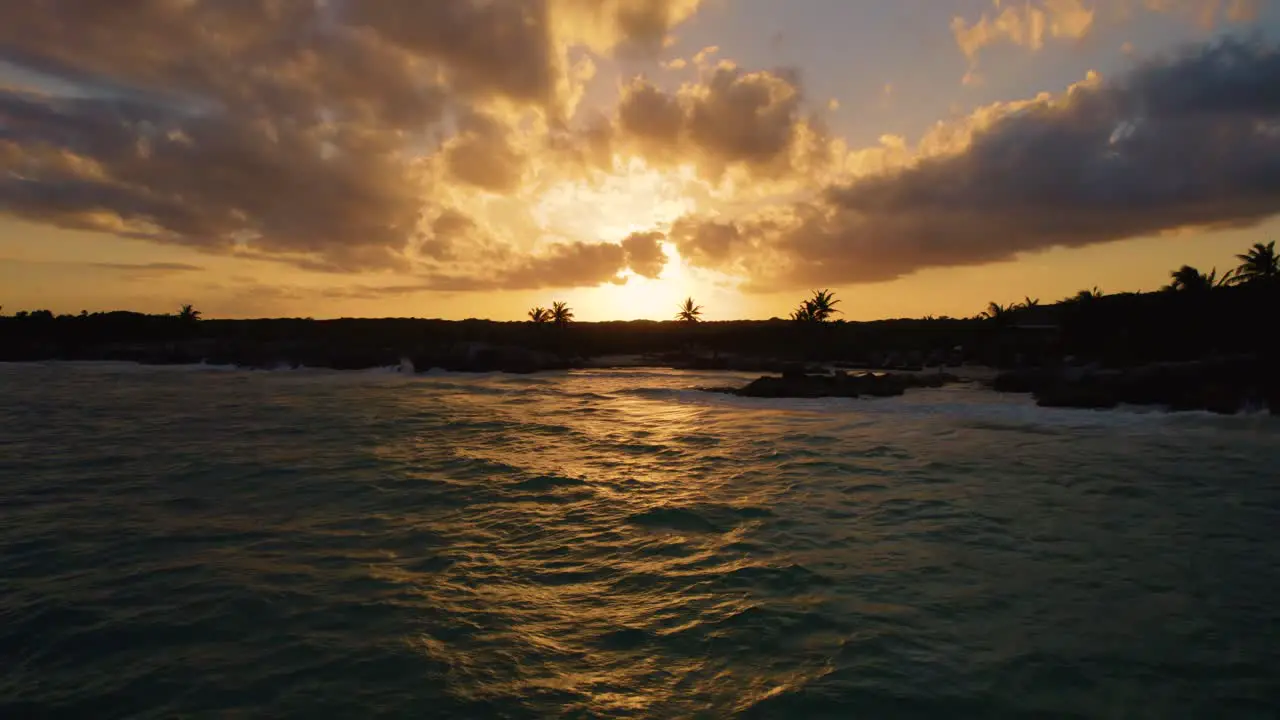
x,y
1090,350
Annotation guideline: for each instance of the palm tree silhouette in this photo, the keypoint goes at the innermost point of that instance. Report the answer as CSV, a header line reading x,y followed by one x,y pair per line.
x,y
804,313
561,314
996,311
1259,264
539,315
1189,279
689,312
818,308
1086,295
1029,302
823,304
189,314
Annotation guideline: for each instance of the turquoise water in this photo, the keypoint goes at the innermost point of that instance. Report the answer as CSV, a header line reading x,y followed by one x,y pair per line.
x,y
203,542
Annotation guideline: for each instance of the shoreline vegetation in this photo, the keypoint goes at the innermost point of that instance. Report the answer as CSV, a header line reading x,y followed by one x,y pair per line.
x,y
1202,343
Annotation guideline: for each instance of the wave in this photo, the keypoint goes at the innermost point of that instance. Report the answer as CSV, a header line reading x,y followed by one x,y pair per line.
x,y
709,518
548,482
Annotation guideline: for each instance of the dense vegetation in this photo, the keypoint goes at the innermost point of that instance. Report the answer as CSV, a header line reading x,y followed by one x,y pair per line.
x,y
1197,316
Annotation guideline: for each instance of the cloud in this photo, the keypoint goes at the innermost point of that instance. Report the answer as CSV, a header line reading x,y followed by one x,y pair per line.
x,y
154,267
733,119
1206,13
1029,24
324,134
644,253
442,142
637,26
482,154
1186,141
206,181
708,243
579,264
1026,25
572,264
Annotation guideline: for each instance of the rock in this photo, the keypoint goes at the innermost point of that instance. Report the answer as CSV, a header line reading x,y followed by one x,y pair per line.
x,y
1222,399
709,363
799,385
484,358
1077,395
1026,380
1219,385
798,370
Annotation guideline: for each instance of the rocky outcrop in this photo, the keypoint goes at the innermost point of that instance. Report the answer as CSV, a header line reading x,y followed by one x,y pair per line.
x,y
735,362
1077,395
1222,385
805,385
482,358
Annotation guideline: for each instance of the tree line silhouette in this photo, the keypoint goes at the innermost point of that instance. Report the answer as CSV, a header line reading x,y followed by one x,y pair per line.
x,y
1196,315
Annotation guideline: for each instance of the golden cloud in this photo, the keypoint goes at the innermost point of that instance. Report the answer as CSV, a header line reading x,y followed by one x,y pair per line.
x,y
1186,141
323,134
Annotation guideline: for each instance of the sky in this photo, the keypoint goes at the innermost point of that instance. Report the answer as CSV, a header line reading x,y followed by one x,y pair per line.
x,y
476,158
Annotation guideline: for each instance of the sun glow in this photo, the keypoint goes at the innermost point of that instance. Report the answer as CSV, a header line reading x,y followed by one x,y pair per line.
x,y
635,198
641,297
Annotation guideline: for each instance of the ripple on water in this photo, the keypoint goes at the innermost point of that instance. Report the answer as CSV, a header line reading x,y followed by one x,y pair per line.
x,y
710,518
600,544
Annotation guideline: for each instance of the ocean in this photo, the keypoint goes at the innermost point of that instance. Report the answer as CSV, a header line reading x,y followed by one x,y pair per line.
x,y
211,542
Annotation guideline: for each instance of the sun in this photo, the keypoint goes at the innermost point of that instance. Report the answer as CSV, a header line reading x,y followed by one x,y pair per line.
x,y
642,298
634,198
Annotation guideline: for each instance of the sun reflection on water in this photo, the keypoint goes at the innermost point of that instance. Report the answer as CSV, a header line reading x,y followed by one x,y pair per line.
x,y
589,559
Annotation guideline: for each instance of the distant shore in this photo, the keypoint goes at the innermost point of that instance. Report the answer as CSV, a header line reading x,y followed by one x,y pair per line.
x,y
1213,349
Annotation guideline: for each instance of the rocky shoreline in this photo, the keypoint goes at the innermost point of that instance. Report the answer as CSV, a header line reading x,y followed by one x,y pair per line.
x,y
1224,386
801,384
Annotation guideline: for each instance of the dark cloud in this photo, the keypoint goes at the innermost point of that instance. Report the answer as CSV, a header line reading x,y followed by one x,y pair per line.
x,y
207,181
584,264
501,47
576,264
644,253
651,115
708,243
1189,141
482,155
567,265
645,23
456,236
750,119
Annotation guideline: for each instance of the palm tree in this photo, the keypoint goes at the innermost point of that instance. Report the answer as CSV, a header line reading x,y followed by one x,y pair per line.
x,y
1259,264
996,311
1085,296
1189,279
189,314
689,312
1028,302
823,304
818,308
539,315
561,314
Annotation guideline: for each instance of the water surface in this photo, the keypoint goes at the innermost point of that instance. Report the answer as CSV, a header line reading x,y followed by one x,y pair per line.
x,y
616,544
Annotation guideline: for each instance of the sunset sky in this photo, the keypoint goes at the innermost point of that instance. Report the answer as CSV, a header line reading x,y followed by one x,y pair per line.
x,y
472,158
